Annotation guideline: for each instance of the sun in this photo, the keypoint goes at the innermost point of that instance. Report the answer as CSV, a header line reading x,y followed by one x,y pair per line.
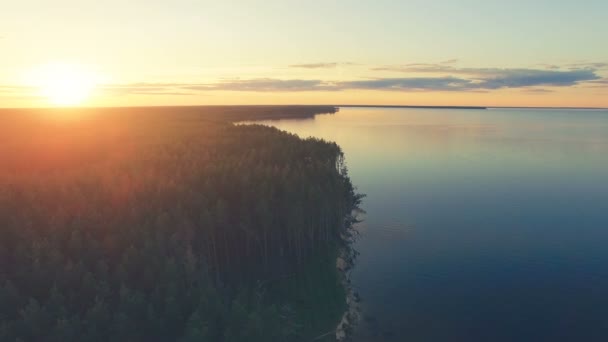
x,y
64,84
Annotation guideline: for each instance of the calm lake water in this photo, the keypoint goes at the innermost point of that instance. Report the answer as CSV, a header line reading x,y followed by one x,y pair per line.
x,y
481,225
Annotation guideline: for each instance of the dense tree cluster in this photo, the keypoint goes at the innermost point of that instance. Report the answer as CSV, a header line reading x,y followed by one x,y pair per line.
x,y
160,229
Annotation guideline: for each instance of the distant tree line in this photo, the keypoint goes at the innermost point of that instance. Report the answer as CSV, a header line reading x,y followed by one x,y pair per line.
x,y
164,232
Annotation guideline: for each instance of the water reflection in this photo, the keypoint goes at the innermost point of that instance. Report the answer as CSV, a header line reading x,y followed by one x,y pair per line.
x,y
480,225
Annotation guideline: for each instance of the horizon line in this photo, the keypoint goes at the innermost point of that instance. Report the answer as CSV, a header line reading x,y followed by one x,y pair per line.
x,y
316,105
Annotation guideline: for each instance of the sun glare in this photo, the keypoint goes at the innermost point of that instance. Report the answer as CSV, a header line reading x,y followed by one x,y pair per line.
x,y
64,84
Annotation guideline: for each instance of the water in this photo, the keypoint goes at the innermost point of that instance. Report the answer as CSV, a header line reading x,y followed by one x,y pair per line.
x,y
481,225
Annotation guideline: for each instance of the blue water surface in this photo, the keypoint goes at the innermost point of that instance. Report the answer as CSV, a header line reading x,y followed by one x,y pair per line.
x,y
481,225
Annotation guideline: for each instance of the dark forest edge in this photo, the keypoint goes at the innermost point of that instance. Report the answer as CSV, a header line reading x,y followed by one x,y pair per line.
x,y
118,226
196,113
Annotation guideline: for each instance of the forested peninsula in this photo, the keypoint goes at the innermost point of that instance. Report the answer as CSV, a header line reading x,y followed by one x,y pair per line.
x,y
169,224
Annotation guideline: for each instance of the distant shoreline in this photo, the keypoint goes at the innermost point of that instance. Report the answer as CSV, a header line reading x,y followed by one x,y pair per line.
x,y
553,108
469,107
291,106
421,107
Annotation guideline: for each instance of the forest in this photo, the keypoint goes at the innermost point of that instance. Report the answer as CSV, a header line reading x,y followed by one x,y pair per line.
x,y
118,225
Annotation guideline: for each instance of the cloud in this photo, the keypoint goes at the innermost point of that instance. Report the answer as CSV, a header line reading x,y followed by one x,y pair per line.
x,y
315,65
465,80
413,66
479,79
411,84
439,68
482,80
538,90
329,65
146,89
257,85
15,92
497,78
442,76
550,66
601,83
265,85
450,61
160,93
12,91
575,66
587,65
517,78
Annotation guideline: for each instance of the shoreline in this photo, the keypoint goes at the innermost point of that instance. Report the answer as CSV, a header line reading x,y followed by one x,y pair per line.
x,y
344,264
352,315
346,254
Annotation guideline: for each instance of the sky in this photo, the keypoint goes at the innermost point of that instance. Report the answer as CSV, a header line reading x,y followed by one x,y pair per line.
x,y
408,52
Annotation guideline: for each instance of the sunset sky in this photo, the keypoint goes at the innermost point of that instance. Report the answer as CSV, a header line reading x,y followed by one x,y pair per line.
x,y
409,52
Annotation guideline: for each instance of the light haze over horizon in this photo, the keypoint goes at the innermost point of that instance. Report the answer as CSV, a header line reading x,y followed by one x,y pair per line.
x,y
186,52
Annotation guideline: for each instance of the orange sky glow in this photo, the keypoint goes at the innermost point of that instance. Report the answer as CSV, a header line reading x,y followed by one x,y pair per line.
x,y
85,53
